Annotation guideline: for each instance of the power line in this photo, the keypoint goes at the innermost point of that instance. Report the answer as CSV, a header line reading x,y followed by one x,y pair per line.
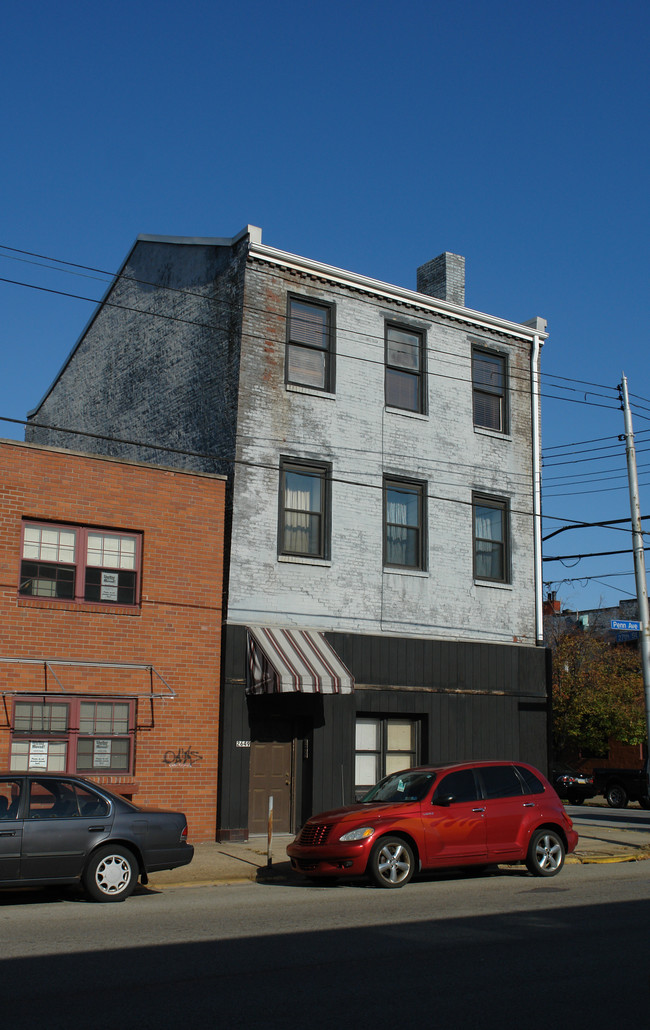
x,y
115,277
584,493
122,278
231,462
593,554
118,278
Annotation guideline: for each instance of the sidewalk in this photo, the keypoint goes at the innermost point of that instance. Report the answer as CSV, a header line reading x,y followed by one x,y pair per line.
x,y
215,863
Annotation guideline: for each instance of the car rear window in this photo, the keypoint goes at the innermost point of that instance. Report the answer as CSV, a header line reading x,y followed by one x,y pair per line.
x,y
500,781
533,784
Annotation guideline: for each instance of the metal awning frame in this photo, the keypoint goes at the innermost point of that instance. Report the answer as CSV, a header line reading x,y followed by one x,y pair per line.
x,y
49,664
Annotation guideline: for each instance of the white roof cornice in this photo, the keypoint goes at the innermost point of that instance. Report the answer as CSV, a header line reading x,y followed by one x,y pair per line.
x,y
390,292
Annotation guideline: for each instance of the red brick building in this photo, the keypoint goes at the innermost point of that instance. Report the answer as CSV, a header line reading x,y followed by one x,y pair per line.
x,y
110,625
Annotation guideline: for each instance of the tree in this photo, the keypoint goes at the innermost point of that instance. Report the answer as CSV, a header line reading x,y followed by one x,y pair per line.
x,y
597,694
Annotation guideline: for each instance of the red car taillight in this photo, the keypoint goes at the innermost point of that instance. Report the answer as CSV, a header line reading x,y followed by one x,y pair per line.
x,y
184,834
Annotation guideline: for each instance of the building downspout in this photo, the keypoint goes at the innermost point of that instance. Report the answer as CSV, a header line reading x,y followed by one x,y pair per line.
x,y
540,324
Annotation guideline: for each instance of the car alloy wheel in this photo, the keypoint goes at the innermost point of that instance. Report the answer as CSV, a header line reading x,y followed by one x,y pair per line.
x,y
546,853
391,862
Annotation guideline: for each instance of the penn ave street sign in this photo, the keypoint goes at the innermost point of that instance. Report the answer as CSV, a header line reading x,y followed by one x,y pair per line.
x,y
626,625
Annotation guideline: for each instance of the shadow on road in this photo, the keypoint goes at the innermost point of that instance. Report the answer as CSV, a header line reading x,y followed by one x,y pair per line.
x,y
490,972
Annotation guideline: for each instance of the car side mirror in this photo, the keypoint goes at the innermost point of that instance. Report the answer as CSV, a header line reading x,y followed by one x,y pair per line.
x,y
444,801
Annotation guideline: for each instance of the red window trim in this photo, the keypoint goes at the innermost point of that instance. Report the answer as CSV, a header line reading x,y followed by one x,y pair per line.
x,y
72,735
81,551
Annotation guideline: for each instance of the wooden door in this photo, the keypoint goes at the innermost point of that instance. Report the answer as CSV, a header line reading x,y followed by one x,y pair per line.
x,y
271,766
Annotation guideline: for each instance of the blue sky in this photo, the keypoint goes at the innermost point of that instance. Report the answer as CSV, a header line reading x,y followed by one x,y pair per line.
x,y
371,136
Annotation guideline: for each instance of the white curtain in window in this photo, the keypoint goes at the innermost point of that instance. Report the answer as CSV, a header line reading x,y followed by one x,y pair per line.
x,y
489,540
297,526
396,533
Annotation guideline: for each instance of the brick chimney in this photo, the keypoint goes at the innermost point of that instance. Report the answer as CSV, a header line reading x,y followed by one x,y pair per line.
x,y
551,604
444,278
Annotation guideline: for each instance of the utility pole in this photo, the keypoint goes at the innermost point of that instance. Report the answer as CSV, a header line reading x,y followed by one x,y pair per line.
x,y
639,558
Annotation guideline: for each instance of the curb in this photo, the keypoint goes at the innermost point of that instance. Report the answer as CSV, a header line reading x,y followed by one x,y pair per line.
x,y
628,856
264,874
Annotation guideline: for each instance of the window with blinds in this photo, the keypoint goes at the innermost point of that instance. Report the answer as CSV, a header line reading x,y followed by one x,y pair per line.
x,y
310,345
489,390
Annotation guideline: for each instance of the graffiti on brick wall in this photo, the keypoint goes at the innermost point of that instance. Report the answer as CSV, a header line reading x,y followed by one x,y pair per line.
x,y
182,756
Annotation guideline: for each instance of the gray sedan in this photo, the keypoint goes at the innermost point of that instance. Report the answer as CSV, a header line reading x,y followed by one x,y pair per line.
x,y
66,830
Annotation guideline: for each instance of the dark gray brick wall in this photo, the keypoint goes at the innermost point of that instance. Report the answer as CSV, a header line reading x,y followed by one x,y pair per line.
x,y
160,362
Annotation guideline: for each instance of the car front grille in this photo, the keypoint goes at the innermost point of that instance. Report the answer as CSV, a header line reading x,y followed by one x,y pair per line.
x,y
314,833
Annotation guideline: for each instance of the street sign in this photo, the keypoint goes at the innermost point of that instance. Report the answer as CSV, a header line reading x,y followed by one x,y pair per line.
x,y
626,625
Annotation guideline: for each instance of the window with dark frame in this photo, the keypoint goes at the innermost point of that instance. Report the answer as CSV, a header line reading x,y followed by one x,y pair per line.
x,y
490,528
404,522
384,745
310,350
489,390
75,735
304,509
76,563
405,367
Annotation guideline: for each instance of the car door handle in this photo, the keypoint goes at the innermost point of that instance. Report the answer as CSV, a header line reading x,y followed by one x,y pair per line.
x,y
529,804
478,810
95,829
8,833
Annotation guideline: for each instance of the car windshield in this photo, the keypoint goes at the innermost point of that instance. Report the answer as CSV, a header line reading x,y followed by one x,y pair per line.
x,y
404,786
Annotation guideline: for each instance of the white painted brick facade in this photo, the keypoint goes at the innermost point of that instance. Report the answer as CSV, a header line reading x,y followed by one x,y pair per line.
x,y
363,440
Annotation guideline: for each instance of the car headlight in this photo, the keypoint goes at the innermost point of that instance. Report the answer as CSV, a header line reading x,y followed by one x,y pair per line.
x,y
359,834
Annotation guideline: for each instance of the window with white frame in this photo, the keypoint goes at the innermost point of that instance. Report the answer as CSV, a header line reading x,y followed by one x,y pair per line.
x,y
72,735
76,563
310,345
405,367
304,509
384,745
491,543
489,390
404,524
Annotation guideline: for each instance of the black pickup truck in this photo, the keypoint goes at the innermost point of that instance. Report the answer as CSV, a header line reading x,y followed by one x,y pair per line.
x,y
618,786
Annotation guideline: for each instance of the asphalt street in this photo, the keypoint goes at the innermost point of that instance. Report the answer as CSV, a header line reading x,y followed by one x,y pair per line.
x,y
455,950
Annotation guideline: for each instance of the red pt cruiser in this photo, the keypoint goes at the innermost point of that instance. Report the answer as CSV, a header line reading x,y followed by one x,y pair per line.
x,y
474,813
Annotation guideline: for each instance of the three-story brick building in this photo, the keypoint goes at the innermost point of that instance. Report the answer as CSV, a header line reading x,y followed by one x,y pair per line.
x,y
383,584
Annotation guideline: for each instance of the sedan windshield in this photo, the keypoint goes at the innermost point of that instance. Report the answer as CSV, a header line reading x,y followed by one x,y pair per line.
x,y
405,786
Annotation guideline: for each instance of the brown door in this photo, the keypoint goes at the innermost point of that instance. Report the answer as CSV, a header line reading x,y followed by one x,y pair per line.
x,y
271,765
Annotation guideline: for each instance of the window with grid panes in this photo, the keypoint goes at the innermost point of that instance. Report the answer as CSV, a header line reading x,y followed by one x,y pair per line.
x,y
72,735
75,563
384,745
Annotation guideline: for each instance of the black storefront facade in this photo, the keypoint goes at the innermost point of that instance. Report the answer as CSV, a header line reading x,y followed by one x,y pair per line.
x,y
439,701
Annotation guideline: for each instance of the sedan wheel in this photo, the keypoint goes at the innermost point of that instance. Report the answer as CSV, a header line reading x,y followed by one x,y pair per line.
x,y
111,874
391,862
546,853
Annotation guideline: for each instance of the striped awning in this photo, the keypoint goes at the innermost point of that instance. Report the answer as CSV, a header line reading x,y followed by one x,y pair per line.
x,y
288,661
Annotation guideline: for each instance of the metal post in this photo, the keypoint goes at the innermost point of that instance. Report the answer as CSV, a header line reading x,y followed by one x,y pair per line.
x,y
639,557
269,854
